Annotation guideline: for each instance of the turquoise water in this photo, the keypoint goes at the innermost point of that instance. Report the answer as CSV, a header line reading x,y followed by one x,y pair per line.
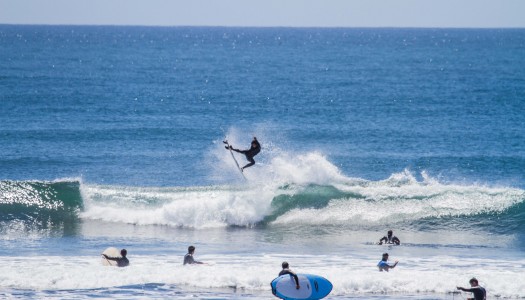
x,y
112,136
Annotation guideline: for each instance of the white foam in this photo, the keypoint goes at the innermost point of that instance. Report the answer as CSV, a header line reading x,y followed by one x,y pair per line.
x,y
350,276
195,207
274,166
242,203
402,198
399,198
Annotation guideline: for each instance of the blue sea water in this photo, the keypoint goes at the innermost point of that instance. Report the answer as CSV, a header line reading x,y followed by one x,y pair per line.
x,y
112,136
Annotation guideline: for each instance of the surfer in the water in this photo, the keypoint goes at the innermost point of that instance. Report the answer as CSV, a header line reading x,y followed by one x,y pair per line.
x,y
478,291
390,239
383,265
121,261
188,258
286,270
255,148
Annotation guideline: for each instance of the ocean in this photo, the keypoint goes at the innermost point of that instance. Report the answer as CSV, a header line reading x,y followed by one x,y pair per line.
x,y
112,137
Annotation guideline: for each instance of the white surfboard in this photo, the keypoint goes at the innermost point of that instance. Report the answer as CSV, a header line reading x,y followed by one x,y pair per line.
x,y
234,159
111,252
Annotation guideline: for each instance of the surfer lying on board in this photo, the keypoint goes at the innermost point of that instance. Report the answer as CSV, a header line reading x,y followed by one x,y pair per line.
x,y
478,291
121,261
255,148
188,258
286,270
389,239
383,264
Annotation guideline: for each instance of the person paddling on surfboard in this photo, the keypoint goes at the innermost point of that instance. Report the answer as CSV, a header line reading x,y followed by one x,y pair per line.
x,y
390,238
121,261
286,270
255,148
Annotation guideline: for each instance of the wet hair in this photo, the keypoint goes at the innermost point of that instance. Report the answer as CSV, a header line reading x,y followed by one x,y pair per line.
x,y
473,279
191,249
385,255
123,252
390,232
285,265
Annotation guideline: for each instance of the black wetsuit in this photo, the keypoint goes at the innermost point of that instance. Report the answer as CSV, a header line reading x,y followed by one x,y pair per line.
x,y
390,240
479,292
188,259
288,271
121,261
250,153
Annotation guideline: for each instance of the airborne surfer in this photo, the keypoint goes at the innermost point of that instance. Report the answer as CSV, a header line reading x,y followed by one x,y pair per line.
x,y
255,148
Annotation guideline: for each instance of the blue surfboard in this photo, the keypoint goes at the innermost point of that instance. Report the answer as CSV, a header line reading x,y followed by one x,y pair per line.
x,y
312,287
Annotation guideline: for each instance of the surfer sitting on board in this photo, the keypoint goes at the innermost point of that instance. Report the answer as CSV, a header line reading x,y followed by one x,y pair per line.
x,y
389,239
286,270
188,258
383,264
255,148
478,291
121,261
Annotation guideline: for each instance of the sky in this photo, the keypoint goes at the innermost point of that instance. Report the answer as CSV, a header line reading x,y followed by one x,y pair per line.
x,y
269,13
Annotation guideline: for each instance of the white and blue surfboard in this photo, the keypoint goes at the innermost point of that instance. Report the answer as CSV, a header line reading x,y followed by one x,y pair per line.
x,y
312,287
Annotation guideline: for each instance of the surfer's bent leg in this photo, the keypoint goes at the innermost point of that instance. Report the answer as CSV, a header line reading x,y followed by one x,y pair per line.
x,y
250,159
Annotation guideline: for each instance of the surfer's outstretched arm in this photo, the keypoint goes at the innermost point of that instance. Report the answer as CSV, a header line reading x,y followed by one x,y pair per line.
x,y
110,258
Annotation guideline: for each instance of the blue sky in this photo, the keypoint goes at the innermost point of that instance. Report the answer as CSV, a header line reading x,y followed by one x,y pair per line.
x,y
295,13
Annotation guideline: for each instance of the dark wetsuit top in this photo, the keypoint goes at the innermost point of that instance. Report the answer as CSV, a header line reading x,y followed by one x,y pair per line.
x,y
479,292
288,271
121,261
391,240
188,259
